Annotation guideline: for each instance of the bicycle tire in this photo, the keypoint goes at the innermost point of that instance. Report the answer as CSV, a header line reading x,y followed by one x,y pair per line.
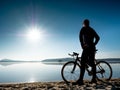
x,y
103,71
67,74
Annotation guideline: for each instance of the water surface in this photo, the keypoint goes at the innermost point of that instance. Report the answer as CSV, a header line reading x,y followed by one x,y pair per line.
x,y
37,72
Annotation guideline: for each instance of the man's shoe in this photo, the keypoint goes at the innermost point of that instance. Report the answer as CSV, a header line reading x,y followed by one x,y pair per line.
x,y
93,81
78,83
74,83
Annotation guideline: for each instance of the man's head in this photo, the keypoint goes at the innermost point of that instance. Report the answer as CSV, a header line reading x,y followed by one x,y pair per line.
x,y
86,22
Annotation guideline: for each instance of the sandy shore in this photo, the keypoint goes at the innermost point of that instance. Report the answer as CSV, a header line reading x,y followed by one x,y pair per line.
x,y
113,84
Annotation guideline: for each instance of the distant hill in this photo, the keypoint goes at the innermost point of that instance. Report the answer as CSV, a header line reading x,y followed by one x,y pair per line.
x,y
111,60
63,60
7,60
58,60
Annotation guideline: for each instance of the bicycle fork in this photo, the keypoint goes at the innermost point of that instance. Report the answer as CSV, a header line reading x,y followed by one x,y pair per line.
x,y
74,67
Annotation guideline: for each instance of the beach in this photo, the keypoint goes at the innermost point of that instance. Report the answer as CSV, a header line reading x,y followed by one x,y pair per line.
x,y
113,84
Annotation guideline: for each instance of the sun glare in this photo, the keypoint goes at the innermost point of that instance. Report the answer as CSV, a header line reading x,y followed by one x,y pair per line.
x,y
34,34
32,79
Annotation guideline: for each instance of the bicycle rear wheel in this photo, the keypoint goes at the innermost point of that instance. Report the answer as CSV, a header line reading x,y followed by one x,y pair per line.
x,y
70,72
103,71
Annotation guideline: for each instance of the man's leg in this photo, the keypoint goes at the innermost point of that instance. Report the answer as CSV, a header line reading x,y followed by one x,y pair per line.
x,y
82,70
83,62
92,58
94,73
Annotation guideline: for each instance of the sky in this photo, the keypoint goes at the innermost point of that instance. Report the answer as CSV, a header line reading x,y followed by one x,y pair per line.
x,y
58,23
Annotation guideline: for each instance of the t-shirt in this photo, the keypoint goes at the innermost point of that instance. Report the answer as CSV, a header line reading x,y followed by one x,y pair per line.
x,y
87,36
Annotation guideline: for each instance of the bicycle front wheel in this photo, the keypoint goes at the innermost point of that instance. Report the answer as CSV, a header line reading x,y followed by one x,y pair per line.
x,y
70,72
103,71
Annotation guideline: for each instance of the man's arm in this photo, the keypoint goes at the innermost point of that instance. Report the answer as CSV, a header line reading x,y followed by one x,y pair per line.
x,y
97,38
81,38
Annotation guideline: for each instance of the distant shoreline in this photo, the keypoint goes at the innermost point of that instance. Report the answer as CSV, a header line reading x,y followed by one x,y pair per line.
x,y
52,62
59,61
115,60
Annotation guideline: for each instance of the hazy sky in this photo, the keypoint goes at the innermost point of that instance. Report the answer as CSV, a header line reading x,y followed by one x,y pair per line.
x,y
59,23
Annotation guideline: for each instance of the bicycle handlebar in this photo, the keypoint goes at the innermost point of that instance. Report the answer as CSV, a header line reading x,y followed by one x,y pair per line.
x,y
74,54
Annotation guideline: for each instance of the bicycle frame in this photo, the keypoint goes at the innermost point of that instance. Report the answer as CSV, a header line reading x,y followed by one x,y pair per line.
x,y
78,60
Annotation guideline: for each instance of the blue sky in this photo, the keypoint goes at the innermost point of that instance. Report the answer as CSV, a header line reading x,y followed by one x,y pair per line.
x,y
59,22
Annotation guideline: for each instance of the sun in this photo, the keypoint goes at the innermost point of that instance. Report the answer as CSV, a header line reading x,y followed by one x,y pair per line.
x,y
34,34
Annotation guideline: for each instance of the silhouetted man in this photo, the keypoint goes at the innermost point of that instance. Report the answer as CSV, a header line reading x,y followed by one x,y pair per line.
x,y
88,39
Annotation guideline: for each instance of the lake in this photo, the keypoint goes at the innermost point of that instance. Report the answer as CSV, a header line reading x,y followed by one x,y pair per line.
x,y
11,72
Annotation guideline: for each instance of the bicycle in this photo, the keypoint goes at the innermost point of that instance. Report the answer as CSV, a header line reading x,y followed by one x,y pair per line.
x,y
71,70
